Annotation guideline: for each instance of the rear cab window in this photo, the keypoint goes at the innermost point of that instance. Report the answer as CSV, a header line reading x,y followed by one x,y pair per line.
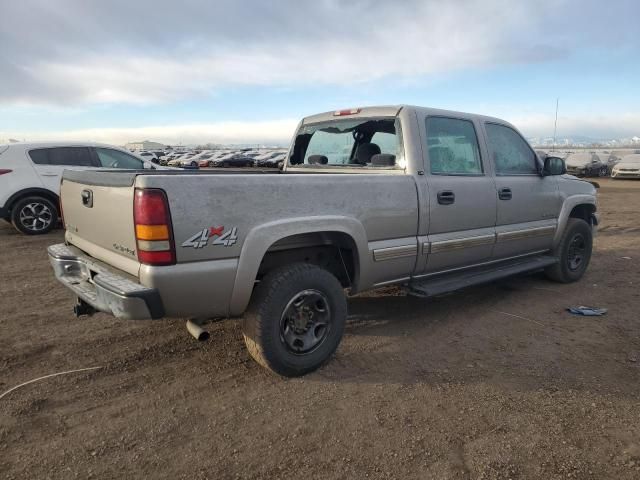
x,y
452,147
364,143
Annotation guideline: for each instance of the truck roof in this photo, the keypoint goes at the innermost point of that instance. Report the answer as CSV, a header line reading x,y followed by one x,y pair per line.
x,y
392,111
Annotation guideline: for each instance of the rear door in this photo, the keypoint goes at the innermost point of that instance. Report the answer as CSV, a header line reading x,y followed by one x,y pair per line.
x,y
528,203
462,203
50,162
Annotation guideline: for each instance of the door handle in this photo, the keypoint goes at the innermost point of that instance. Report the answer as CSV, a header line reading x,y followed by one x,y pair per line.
x,y
49,174
505,194
446,197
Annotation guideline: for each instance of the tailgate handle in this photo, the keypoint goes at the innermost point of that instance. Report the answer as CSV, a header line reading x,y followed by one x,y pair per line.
x,y
87,198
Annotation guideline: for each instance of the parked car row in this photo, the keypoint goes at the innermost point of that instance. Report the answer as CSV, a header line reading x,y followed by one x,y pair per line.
x,y
591,164
261,157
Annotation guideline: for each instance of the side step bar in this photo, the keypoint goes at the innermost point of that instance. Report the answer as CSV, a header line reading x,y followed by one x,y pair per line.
x,y
456,281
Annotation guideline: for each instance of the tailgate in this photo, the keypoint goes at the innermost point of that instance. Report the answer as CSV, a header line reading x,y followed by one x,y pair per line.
x,y
98,215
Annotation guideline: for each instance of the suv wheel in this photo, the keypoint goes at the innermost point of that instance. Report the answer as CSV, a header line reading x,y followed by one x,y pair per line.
x,y
573,251
34,215
295,320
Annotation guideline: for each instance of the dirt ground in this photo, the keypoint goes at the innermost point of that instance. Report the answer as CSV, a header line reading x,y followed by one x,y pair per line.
x,y
495,382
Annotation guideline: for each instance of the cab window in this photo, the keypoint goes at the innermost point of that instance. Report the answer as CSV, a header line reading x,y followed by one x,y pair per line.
x,y
355,143
511,154
452,146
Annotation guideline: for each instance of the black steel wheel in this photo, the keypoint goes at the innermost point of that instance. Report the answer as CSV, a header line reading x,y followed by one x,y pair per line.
x,y
573,252
295,319
576,252
305,322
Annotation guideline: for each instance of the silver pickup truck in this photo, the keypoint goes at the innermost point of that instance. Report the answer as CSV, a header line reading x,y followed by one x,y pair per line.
x,y
427,199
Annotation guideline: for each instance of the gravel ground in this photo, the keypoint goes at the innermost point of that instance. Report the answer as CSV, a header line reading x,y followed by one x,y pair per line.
x,y
495,382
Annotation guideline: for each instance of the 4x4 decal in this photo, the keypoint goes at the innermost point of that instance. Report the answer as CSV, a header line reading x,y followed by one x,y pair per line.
x,y
217,234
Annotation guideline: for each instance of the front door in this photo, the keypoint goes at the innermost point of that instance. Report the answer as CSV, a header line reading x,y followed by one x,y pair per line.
x,y
528,203
462,211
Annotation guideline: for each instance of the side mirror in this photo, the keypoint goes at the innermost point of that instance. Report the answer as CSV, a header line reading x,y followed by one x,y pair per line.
x,y
554,166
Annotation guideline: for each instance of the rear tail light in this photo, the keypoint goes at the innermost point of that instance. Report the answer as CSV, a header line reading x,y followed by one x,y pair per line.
x,y
154,232
5,170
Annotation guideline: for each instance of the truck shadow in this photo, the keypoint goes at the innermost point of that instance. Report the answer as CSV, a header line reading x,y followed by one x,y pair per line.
x,y
514,332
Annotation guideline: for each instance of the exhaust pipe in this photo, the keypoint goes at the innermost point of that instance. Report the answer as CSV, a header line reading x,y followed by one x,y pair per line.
x,y
197,331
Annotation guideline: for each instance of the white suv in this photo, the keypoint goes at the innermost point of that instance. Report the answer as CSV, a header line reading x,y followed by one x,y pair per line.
x,y
30,176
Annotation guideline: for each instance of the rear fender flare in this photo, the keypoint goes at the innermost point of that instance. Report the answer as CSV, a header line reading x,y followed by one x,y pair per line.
x,y
259,240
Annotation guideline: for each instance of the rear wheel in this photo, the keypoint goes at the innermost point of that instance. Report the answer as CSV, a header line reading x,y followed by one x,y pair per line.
x,y
211,164
573,251
34,215
604,171
295,320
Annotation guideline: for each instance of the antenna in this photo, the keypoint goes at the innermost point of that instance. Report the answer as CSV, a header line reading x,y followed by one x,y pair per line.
x,y
555,126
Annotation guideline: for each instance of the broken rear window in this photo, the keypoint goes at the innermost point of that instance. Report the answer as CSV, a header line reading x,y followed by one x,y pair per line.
x,y
349,143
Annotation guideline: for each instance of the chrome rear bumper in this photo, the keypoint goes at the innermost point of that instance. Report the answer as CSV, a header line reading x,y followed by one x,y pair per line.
x,y
101,288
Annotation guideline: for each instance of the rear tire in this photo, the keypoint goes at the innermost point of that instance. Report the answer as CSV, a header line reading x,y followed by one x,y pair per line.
x,y
295,320
573,251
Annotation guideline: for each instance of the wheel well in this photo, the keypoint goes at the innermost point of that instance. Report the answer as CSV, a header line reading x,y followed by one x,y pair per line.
x,y
583,211
34,192
333,251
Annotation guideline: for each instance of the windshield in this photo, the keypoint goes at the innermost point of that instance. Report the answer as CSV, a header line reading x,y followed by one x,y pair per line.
x,y
368,142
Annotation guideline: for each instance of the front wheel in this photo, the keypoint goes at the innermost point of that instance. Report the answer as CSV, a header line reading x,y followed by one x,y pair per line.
x,y
573,252
34,215
295,320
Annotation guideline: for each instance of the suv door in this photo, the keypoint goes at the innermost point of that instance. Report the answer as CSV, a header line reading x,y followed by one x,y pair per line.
x,y
462,196
528,203
50,162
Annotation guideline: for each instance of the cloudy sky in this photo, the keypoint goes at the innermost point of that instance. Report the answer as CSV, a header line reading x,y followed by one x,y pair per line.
x,y
246,70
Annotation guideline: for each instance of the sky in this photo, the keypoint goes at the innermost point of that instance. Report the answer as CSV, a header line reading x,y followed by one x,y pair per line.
x,y
246,71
